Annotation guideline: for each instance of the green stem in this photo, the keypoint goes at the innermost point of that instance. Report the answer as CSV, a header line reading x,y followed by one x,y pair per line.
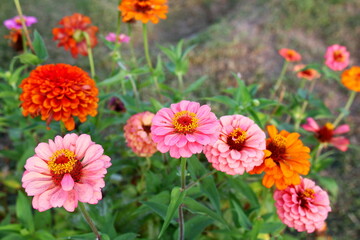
x,y
183,188
318,152
347,107
181,82
90,55
280,79
146,46
136,93
148,163
133,57
89,221
25,30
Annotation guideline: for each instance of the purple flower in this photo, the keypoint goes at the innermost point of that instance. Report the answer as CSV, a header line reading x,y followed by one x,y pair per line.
x,y
122,38
15,22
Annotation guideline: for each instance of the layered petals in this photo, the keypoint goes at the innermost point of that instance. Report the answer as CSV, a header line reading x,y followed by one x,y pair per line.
x,y
304,207
337,57
137,131
290,55
240,146
65,171
351,78
184,128
144,11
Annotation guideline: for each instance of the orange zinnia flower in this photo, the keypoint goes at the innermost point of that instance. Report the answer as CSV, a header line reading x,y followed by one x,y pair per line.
x,y
71,35
308,73
290,55
143,10
59,92
285,158
351,78
15,39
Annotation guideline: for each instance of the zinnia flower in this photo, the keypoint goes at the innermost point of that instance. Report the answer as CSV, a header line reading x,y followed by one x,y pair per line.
x,y
184,128
116,105
285,158
303,207
65,171
351,78
143,10
15,39
138,135
240,146
15,22
336,57
308,73
122,38
326,133
71,35
290,55
59,92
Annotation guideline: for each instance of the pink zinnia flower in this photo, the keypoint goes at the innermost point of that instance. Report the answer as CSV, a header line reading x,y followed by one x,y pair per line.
x,y
240,146
336,57
65,171
138,135
184,128
303,207
122,38
290,55
15,22
326,133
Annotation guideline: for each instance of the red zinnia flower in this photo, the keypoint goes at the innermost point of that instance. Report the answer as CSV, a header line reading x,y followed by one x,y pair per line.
x,y
59,92
290,55
71,35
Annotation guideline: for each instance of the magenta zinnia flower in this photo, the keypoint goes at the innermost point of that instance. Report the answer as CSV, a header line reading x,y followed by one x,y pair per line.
x,y
15,22
326,133
303,207
122,38
240,146
65,171
184,128
337,57
138,135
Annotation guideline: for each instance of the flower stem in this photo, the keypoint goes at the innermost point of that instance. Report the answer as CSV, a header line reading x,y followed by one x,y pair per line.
x,y
183,188
89,221
146,46
181,82
318,152
201,178
281,77
133,57
136,93
25,30
90,55
346,108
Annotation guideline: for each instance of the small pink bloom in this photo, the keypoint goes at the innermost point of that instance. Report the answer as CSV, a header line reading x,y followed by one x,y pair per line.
x,y
337,57
290,55
138,135
240,146
184,128
303,207
326,133
308,73
15,22
122,38
65,171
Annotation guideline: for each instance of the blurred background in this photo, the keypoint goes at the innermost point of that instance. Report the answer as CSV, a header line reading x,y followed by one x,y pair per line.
x,y
232,36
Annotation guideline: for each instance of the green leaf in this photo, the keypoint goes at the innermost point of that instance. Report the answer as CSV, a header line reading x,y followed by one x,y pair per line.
x,y
195,226
159,208
244,188
195,85
39,46
330,184
156,104
243,95
10,227
23,211
176,198
117,78
272,227
29,58
13,236
256,228
197,207
241,216
44,235
223,99
126,236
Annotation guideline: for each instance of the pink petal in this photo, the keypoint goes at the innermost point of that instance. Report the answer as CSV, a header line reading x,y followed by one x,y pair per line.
x,y
84,192
36,164
311,125
58,198
93,152
340,143
67,183
82,144
43,151
342,129
44,199
71,202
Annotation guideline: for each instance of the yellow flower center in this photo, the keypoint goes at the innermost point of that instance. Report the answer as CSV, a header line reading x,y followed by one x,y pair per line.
x,y
185,122
277,147
62,161
236,139
279,141
329,126
308,193
339,56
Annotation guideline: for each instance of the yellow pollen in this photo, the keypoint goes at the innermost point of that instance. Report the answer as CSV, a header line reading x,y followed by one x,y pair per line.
x,y
329,126
238,135
279,141
185,122
308,193
62,161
